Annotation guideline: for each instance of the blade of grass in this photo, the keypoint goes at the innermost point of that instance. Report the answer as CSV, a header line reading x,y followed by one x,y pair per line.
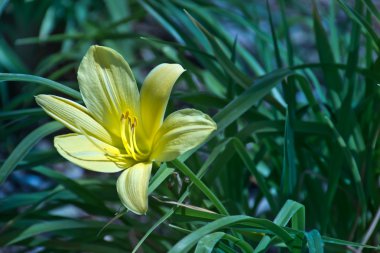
x,y
248,98
274,36
373,9
84,194
357,18
201,186
222,58
51,226
263,186
293,211
207,243
20,113
159,177
335,43
314,241
43,81
352,165
331,75
9,60
190,240
25,146
289,46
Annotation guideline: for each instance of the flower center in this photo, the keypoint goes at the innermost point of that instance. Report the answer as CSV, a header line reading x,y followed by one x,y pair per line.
x,y
128,137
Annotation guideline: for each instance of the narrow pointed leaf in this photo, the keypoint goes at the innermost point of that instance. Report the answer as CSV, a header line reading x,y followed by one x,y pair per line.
x,y
24,147
40,80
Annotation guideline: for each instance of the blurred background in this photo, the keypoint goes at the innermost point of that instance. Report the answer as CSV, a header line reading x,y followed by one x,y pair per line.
x,y
312,138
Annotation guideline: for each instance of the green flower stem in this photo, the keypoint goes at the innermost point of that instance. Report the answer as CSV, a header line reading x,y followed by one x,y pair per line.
x,y
206,191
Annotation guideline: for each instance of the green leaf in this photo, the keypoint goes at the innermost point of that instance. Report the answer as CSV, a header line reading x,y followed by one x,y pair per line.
x,y
201,186
190,240
25,199
352,166
331,75
263,186
88,197
274,37
356,17
9,60
248,98
67,246
25,146
43,81
345,243
289,46
222,58
197,214
51,226
48,22
291,211
314,241
159,177
278,126
207,243
157,224
169,27
20,113
373,9
289,171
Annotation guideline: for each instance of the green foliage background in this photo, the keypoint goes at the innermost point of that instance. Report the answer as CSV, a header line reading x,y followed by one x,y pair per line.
x,y
292,85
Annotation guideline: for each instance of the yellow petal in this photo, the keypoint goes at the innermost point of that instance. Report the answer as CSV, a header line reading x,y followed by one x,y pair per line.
x,y
74,116
132,187
90,155
107,86
155,93
180,132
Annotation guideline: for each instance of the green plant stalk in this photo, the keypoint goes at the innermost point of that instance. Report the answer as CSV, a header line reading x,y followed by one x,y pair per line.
x,y
201,186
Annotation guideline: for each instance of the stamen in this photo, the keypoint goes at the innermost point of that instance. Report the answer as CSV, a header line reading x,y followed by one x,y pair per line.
x,y
134,139
116,159
128,137
131,134
123,134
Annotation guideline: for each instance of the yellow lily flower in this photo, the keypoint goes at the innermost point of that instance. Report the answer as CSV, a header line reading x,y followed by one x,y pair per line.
x,y
121,129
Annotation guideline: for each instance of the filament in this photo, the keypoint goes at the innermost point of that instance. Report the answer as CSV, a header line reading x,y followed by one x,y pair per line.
x,y
128,136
